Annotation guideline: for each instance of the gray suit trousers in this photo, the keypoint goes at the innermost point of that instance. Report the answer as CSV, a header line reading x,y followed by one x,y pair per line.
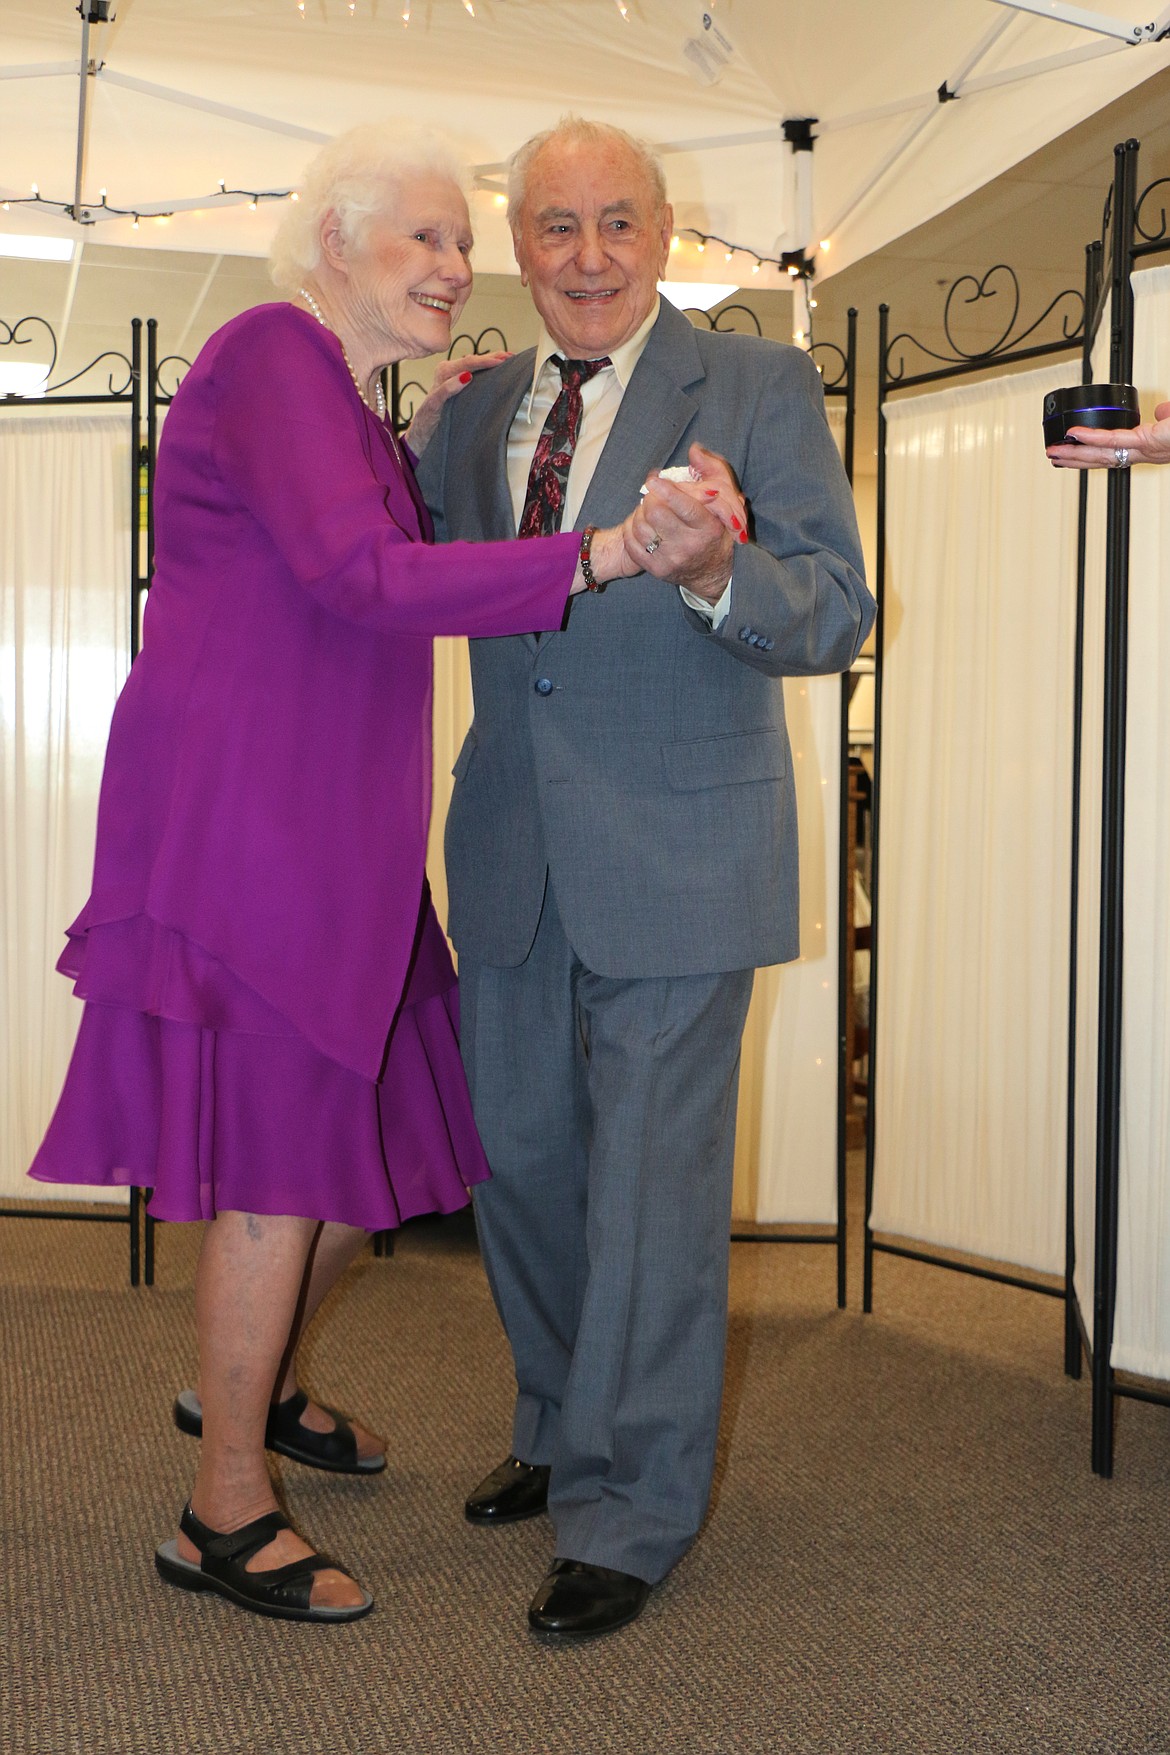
x,y
607,1108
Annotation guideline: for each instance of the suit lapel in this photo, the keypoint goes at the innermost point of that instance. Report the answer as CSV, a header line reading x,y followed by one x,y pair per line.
x,y
656,410
487,477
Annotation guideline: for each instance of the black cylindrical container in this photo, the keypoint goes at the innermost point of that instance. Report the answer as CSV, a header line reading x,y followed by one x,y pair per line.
x,y
1089,405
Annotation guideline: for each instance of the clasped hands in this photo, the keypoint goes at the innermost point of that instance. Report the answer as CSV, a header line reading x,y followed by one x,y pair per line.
x,y
686,531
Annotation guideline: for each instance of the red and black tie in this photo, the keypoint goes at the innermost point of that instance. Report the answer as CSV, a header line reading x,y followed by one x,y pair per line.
x,y
544,505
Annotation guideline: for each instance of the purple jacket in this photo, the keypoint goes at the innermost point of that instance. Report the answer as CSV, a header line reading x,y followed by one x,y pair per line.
x,y
268,781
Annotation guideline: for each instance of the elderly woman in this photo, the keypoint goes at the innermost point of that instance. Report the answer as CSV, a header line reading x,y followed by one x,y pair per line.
x,y
269,1034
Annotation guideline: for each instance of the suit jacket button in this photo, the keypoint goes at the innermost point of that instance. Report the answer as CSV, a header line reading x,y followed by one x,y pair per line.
x,y
543,685
745,633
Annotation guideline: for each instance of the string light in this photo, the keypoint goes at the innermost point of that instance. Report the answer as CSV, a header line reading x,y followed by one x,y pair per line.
x,y
469,6
794,262
756,267
103,209
675,241
406,13
624,10
826,245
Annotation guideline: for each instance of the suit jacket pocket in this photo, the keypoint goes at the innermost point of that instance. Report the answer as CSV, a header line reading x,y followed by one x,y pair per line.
x,y
463,759
726,761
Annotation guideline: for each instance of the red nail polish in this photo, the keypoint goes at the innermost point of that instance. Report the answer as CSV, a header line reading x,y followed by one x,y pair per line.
x,y
743,536
735,523
465,377
711,493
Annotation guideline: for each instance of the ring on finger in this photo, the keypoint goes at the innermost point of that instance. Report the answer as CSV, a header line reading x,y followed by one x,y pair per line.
x,y
1121,458
654,544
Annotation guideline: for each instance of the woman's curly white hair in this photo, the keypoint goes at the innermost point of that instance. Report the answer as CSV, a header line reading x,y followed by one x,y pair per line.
x,y
356,177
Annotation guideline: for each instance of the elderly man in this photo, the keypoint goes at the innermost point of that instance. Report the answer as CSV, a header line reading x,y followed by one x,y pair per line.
x,y
621,852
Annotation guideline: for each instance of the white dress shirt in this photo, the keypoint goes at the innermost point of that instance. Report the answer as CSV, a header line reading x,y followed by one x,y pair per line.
x,y
601,397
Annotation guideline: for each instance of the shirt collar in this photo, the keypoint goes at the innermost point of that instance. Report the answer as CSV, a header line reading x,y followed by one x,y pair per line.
x,y
624,358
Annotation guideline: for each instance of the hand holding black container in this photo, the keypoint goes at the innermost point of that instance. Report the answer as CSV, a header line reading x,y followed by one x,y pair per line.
x,y
1099,426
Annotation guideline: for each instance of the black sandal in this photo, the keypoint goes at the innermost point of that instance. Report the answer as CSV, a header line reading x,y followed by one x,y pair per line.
x,y
284,1591
336,1451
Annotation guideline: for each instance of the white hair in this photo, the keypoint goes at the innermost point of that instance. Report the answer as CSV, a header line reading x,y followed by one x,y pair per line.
x,y
356,177
575,130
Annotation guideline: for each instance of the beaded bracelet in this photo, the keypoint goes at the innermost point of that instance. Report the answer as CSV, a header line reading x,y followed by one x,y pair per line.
x,y
592,583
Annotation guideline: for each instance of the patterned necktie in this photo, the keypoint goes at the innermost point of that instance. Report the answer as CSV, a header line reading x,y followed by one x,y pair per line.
x,y
544,505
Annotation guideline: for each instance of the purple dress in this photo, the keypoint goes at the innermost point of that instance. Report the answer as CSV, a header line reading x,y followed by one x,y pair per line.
x,y
270,1010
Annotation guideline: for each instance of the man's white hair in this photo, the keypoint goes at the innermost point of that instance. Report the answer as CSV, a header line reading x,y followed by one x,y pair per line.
x,y
574,131
356,177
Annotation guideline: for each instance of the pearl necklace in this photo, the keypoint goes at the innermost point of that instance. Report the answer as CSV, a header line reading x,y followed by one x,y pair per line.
x,y
303,293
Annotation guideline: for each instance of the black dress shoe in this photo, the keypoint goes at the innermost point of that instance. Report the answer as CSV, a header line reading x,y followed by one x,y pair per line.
x,y
579,1601
515,1490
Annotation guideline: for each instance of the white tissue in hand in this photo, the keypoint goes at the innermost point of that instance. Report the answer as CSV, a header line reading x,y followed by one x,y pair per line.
x,y
677,472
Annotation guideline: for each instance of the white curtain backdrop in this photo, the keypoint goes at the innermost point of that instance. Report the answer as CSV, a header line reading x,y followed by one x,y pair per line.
x,y
64,653
1141,1341
975,825
786,1146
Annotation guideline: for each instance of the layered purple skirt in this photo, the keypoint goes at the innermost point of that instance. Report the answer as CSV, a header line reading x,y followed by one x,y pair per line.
x,y
183,1080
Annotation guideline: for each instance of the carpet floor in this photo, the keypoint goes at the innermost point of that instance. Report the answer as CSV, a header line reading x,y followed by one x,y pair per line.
x,y
907,1551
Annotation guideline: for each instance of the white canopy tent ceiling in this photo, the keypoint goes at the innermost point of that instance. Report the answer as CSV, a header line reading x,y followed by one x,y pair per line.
x,y
182,95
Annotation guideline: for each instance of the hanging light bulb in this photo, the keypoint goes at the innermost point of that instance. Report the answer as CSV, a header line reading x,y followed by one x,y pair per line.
x,y
135,224
294,196
301,7
406,13
757,267
469,6
728,254
826,245
675,242
36,191
701,245
7,206
253,204
624,10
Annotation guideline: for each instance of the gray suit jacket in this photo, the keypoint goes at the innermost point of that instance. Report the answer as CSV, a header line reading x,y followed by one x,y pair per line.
x,y
638,756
